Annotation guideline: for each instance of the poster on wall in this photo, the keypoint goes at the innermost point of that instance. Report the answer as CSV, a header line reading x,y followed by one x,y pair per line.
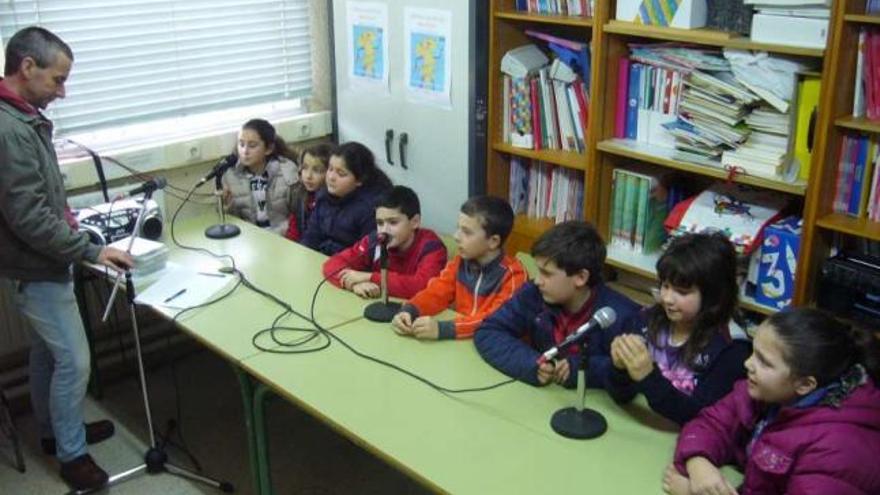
x,y
367,27
427,34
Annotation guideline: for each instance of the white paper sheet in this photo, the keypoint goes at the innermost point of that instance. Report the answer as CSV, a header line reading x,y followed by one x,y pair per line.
x,y
181,287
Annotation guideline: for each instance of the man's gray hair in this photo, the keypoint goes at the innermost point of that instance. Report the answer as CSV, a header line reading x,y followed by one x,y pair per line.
x,y
37,43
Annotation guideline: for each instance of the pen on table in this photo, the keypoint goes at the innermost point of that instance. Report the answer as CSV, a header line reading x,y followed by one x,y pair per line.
x,y
175,295
209,274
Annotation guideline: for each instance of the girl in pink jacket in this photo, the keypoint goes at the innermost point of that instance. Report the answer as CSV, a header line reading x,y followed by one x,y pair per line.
x,y
806,421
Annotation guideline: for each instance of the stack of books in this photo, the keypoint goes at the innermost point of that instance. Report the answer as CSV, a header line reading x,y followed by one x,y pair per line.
x,y
765,152
639,208
872,7
582,8
149,256
542,190
546,102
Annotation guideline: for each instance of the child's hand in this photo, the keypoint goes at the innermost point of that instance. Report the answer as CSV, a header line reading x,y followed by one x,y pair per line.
x,y
706,479
674,483
425,327
616,356
545,372
350,278
367,290
634,353
561,370
402,323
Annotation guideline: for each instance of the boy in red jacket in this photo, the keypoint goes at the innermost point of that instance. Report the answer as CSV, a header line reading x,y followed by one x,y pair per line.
x,y
415,255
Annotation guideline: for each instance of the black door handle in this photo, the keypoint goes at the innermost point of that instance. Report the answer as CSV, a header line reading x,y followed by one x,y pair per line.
x,y
404,139
389,136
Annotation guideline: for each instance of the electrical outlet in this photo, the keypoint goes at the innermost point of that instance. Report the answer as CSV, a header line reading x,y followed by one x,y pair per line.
x,y
192,151
305,130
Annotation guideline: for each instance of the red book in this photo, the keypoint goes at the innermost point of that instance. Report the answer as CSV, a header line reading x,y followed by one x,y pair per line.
x,y
583,105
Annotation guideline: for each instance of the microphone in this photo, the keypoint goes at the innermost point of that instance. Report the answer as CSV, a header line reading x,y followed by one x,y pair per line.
x,y
149,186
603,318
382,310
224,163
383,239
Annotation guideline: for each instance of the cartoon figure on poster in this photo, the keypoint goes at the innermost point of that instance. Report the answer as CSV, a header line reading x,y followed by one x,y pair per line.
x,y
428,71
368,59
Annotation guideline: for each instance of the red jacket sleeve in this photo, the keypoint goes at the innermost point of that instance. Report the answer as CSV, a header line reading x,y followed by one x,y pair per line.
x,y
293,232
355,257
406,285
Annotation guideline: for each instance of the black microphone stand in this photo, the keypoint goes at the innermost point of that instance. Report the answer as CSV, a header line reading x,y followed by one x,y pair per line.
x,y
221,230
155,459
578,421
382,311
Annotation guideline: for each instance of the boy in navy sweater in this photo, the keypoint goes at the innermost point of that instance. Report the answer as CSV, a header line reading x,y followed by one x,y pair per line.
x,y
564,295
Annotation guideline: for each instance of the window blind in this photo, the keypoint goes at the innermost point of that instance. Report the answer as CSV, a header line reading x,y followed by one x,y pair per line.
x,y
136,61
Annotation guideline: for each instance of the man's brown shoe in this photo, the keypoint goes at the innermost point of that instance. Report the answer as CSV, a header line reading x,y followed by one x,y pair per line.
x,y
95,432
83,474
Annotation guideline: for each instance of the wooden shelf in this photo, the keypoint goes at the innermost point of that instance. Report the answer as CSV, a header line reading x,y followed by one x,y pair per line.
x,y
862,18
545,19
565,159
643,265
705,37
532,227
858,123
845,224
663,157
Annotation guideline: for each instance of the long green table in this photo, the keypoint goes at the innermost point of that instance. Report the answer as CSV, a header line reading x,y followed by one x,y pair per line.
x,y
498,441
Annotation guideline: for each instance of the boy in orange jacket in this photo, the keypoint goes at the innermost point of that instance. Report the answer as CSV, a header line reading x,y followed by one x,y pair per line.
x,y
475,283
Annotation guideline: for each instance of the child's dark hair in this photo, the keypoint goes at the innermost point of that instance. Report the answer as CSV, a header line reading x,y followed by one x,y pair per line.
x,y
573,246
494,214
819,345
269,137
706,262
359,160
320,151
401,198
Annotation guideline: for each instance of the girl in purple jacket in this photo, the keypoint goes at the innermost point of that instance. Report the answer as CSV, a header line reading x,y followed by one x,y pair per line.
x,y
690,352
806,421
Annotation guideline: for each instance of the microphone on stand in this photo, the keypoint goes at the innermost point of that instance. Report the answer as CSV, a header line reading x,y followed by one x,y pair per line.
x,y
579,421
602,318
147,187
382,310
221,230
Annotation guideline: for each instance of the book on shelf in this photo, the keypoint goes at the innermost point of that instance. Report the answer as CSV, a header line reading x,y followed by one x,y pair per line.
x,y
856,177
542,190
638,211
807,109
872,7
866,94
804,32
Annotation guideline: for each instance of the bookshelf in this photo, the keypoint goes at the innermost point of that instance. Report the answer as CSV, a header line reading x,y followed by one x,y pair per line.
x,y
604,152
821,224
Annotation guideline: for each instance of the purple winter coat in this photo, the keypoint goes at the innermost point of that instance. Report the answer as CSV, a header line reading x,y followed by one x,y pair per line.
x,y
818,450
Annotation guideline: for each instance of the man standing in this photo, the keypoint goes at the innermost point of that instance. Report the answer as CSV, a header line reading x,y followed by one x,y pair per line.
x,y
39,243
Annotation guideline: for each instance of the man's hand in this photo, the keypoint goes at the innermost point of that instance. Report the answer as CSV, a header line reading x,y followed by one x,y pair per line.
x,y
402,323
116,259
350,278
367,290
425,327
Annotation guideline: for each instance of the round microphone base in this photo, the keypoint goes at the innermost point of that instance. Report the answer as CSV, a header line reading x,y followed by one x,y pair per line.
x,y
222,231
584,424
381,312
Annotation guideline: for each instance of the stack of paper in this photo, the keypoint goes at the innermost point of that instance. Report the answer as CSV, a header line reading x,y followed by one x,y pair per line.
x,y
801,23
149,256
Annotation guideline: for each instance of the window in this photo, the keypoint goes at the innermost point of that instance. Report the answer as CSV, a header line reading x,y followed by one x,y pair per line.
x,y
139,61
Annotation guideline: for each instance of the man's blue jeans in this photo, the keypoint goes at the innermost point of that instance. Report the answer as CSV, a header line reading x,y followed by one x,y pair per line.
x,y
59,363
